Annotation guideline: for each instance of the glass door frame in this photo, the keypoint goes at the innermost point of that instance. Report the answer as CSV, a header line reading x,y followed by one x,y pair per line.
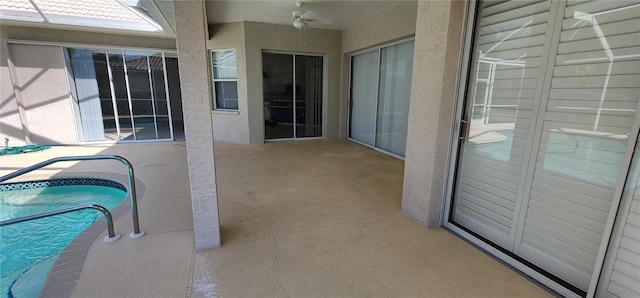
x,y
459,132
324,95
121,51
377,49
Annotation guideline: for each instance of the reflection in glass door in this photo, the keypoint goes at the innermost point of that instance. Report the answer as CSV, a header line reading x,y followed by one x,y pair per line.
x,y
292,95
552,103
124,95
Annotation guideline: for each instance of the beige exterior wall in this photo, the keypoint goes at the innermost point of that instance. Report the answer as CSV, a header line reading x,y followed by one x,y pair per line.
x,y
396,23
435,69
39,76
232,126
229,126
39,84
11,126
373,32
259,37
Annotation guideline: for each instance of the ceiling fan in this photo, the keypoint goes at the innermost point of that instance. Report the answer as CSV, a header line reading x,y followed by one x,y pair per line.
x,y
301,19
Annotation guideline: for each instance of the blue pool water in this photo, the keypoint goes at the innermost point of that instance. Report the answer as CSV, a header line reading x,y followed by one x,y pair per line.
x,y
29,249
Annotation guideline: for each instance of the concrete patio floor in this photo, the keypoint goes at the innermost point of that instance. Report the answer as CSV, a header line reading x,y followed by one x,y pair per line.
x,y
299,219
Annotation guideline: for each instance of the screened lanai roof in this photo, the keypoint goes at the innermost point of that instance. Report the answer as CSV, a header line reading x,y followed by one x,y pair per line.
x,y
104,14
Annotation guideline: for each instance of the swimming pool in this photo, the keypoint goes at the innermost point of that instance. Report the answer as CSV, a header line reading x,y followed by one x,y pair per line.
x,y
29,249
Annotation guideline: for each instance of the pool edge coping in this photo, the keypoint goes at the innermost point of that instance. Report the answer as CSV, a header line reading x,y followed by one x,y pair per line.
x,y
66,270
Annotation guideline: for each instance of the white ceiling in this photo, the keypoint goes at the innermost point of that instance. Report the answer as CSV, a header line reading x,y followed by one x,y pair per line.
x,y
343,13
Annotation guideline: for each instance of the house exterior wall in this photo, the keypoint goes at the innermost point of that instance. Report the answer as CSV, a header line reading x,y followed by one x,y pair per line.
x,y
11,126
232,126
370,33
396,23
39,84
259,37
39,76
437,55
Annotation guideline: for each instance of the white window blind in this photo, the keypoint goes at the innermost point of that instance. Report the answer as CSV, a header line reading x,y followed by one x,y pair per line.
x,y
588,117
505,75
364,86
621,276
552,98
379,99
394,92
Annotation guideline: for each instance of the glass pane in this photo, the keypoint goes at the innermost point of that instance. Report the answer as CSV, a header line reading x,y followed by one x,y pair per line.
x,y
585,134
126,129
308,96
623,251
142,107
161,107
87,69
116,63
396,67
507,57
277,77
226,95
224,64
541,165
104,89
123,107
145,128
157,74
164,131
364,86
175,97
137,71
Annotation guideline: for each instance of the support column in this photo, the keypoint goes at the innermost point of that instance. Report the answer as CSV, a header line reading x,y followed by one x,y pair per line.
x,y
437,51
191,38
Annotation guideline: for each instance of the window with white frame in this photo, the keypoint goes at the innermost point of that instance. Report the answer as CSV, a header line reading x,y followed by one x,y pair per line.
x,y
225,80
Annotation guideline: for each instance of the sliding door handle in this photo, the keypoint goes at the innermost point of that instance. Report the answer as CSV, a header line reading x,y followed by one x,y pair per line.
x,y
464,127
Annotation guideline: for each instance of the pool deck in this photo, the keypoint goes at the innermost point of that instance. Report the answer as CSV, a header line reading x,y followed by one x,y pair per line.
x,y
299,219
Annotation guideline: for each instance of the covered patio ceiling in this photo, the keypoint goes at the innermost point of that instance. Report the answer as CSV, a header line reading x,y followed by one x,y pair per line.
x,y
342,14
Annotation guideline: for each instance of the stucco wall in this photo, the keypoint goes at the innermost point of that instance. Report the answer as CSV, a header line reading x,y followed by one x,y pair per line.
x,y
393,24
40,77
47,117
435,67
260,36
232,126
191,32
11,126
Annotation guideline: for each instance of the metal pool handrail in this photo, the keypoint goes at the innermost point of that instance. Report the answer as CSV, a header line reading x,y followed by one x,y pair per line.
x,y
137,233
112,236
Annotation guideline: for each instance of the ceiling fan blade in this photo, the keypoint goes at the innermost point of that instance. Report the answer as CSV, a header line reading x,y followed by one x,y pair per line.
x,y
309,14
320,21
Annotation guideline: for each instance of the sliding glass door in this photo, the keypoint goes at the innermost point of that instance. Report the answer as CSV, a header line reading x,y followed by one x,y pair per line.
x,y
122,95
292,95
551,119
379,97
